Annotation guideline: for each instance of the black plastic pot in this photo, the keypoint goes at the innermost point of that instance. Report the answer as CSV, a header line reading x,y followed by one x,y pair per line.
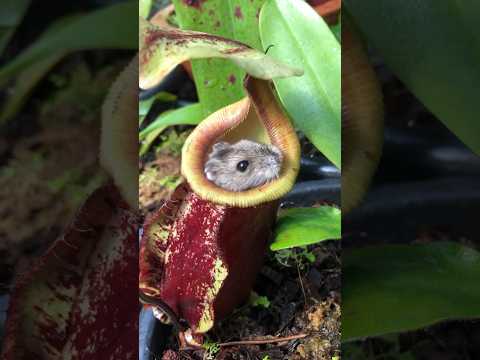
x,y
427,179
4,300
396,213
152,336
415,154
307,193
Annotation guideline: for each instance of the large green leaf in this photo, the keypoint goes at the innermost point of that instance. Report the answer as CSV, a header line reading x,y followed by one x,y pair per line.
x,y
301,38
109,27
218,81
305,226
396,288
434,48
10,17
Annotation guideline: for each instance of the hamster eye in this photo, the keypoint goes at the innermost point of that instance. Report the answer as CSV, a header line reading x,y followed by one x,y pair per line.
x,y
242,165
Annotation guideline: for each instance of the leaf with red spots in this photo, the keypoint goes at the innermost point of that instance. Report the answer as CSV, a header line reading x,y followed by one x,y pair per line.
x,y
79,301
161,49
232,19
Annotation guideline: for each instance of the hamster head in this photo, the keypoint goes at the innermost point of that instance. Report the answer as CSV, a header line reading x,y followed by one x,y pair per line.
x,y
243,165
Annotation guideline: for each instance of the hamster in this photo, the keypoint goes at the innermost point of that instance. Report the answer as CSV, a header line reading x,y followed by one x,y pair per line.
x,y
243,165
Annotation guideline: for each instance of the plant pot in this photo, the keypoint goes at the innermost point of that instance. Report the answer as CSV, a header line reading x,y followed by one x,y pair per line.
x,y
427,180
421,154
398,213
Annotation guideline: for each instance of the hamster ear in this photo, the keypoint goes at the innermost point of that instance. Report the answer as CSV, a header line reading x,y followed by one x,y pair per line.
x,y
221,148
220,145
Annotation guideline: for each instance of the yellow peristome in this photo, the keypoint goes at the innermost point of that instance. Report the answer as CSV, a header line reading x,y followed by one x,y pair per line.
x,y
119,139
362,120
257,117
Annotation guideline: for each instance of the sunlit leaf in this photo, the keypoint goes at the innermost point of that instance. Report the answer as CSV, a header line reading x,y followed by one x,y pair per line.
x,y
396,288
306,226
301,38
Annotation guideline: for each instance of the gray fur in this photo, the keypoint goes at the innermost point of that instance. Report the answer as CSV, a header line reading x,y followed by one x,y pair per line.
x,y
265,163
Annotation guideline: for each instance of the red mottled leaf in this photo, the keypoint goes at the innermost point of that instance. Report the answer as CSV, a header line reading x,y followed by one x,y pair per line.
x,y
161,49
74,303
210,256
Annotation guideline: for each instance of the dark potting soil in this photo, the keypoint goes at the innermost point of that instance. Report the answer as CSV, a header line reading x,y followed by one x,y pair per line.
x,y
302,298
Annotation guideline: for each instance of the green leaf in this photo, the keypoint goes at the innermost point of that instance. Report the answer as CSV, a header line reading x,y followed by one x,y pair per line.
x,y
10,17
301,38
24,85
188,115
259,301
144,7
434,48
161,50
218,81
306,226
104,28
396,288
144,106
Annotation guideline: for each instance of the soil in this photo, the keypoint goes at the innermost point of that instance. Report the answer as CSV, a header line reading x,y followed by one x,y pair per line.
x,y
301,301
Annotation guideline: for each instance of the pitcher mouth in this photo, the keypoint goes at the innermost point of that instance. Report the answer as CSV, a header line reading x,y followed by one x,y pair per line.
x,y
257,117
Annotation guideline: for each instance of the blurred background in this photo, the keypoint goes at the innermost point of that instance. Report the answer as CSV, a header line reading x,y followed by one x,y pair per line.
x,y
410,250
57,62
